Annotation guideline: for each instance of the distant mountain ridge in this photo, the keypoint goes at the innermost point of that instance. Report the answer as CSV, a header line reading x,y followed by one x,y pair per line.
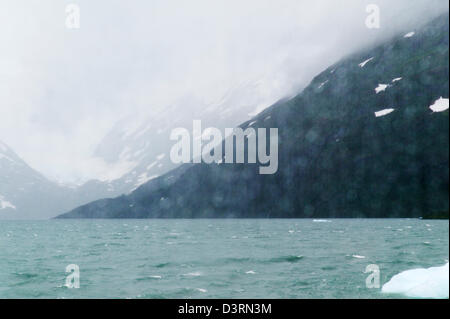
x,y
27,194
136,150
140,146
360,141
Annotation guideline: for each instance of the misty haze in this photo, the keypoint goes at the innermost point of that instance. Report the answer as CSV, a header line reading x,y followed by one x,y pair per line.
x,y
285,149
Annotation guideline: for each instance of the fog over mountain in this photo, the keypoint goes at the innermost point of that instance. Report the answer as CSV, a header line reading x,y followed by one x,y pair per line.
x,y
66,93
368,138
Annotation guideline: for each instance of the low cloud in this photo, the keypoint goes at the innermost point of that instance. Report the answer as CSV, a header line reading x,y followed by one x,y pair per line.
x,y
62,89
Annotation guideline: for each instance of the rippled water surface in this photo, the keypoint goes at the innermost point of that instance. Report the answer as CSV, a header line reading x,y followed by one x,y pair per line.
x,y
213,258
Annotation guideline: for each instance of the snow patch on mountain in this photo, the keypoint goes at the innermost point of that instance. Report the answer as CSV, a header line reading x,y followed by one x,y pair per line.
x,y
5,204
384,112
440,105
381,88
322,84
144,178
363,64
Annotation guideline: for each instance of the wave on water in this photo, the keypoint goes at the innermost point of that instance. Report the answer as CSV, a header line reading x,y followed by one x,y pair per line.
x,y
420,283
193,274
290,259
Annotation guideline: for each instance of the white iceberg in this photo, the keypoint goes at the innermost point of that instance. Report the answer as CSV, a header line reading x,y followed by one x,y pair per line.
x,y
420,283
409,35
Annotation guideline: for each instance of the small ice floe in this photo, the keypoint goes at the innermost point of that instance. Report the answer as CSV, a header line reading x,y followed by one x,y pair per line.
x,y
193,274
202,290
440,105
384,112
409,35
420,283
250,272
291,231
363,64
358,256
396,80
156,277
381,88
321,221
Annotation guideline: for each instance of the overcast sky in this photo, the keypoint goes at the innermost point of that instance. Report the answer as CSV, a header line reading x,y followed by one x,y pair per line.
x,y
61,90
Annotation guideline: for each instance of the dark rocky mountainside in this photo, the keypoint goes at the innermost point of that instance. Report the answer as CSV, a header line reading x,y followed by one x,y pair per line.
x,y
359,141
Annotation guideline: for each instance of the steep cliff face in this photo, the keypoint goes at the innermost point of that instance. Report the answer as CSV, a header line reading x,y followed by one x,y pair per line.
x,y
369,137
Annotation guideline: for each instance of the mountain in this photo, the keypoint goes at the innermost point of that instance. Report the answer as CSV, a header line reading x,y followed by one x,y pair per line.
x,y
138,147
26,194
369,137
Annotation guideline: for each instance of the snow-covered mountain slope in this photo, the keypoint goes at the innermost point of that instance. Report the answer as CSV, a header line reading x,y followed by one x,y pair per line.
x,y
138,148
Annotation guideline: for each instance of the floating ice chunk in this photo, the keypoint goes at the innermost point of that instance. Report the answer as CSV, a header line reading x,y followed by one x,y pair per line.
x,y
384,112
381,88
396,80
202,290
409,35
440,105
321,221
363,64
193,274
420,283
250,272
358,256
